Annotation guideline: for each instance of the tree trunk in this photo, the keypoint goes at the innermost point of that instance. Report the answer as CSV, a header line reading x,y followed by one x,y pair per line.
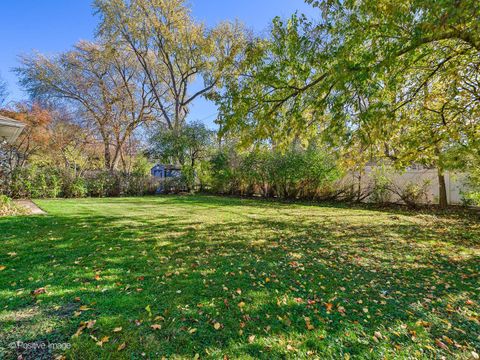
x,y
442,190
107,156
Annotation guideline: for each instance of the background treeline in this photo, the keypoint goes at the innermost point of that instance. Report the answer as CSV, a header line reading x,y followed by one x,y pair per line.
x,y
313,100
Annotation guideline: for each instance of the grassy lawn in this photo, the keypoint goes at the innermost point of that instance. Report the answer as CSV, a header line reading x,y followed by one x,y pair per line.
x,y
208,277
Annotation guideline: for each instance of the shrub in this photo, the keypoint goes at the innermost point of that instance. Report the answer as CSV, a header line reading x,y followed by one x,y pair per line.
x,y
173,185
224,177
74,187
35,182
471,197
413,194
381,186
294,174
8,207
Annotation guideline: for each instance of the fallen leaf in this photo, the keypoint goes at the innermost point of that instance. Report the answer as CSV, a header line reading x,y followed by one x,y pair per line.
x,y
329,306
103,340
441,345
217,326
2,267
308,325
121,346
251,339
241,304
117,329
156,326
80,329
39,291
89,324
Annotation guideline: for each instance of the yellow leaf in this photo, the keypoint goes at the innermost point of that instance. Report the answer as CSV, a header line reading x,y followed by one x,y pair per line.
x,y
192,330
241,304
2,267
89,324
117,329
217,326
251,339
105,339
156,326
121,346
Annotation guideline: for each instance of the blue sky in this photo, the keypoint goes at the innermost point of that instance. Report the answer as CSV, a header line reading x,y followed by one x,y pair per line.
x,y
52,26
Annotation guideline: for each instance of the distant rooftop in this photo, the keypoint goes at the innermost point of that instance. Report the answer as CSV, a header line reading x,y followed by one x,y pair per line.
x,y
10,129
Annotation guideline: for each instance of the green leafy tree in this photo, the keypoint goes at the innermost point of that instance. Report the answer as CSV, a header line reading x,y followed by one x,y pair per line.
x,y
187,146
364,78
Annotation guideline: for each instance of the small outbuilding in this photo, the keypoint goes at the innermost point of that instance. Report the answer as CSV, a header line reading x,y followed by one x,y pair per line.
x,y
163,171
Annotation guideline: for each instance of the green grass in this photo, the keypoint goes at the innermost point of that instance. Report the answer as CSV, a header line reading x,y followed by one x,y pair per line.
x,y
371,284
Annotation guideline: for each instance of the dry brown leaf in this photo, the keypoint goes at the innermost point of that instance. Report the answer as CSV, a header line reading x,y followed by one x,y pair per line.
x,y
39,291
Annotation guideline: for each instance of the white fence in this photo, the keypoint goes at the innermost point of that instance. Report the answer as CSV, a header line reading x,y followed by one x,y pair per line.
x,y
455,183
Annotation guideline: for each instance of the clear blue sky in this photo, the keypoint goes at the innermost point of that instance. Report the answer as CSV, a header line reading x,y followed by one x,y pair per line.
x,y
52,26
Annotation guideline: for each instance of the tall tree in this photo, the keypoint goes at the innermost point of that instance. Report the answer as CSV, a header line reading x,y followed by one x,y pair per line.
x,y
358,74
103,84
33,139
3,90
172,49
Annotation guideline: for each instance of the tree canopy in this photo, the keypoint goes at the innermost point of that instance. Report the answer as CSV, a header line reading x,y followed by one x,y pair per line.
x,y
172,49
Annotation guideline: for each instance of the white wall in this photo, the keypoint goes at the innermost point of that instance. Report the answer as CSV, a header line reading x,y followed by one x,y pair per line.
x,y
454,183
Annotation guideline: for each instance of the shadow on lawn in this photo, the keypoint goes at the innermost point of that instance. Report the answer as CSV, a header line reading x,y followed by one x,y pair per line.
x,y
349,280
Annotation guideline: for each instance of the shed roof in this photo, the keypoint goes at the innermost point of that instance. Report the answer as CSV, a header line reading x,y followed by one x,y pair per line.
x,y
10,129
